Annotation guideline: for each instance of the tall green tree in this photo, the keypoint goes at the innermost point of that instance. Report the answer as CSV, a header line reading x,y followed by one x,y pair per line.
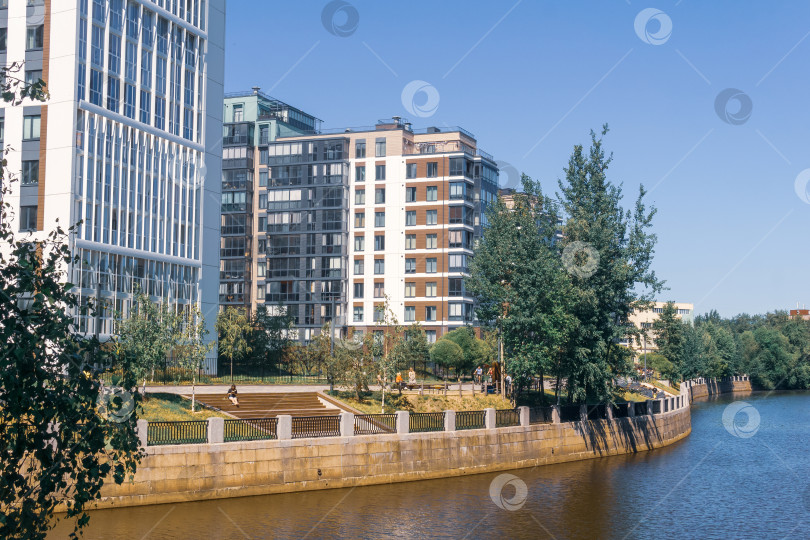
x,y
521,285
668,330
414,349
447,354
58,445
353,363
233,329
610,254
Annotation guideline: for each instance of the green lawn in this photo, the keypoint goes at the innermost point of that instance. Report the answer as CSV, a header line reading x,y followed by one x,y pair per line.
x,y
172,407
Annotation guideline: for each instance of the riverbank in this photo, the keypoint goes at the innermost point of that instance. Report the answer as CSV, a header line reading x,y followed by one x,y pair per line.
x,y
181,473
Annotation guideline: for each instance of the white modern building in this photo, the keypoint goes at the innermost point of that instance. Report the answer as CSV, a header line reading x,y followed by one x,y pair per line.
x,y
129,143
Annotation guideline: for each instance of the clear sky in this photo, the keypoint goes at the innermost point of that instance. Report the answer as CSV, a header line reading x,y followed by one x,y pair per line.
x,y
531,78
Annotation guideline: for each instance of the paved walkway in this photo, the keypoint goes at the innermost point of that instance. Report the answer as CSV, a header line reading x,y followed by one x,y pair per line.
x,y
242,388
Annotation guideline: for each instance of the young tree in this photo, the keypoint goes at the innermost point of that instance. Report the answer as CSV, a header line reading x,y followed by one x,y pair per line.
x,y
447,354
147,336
191,346
233,329
58,444
353,364
608,252
270,334
414,349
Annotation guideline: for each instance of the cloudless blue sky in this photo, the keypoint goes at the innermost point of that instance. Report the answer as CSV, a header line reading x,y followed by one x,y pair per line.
x,y
732,232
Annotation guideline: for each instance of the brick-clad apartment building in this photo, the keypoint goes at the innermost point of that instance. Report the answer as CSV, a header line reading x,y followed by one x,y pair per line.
x,y
358,214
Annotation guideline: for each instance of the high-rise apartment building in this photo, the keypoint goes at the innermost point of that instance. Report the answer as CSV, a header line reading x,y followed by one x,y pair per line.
x,y
128,143
362,214
252,120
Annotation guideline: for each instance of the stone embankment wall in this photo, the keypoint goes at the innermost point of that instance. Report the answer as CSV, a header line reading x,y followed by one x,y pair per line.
x,y
709,387
181,473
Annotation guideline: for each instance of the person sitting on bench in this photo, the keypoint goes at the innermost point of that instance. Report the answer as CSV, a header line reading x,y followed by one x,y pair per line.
x,y
232,395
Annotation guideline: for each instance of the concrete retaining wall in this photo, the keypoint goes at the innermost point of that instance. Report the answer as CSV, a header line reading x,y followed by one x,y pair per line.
x,y
709,387
180,473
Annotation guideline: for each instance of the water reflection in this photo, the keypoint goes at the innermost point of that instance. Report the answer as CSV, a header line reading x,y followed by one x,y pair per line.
x,y
710,485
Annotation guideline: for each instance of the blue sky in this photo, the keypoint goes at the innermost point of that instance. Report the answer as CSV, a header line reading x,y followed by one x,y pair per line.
x,y
531,78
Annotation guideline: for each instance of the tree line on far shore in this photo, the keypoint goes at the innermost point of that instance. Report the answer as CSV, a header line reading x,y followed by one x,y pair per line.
x,y
773,349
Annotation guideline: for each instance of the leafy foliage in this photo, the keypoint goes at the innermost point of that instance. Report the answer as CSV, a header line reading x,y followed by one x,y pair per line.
x,y
233,328
61,436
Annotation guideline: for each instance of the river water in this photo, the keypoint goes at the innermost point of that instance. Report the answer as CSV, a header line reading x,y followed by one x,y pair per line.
x,y
751,480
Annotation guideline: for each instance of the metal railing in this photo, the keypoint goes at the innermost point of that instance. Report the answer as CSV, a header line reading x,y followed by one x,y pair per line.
x,y
470,420
541,415
421,422
250,430
183,432
597,412
507,417
621,410
372,424
315,426
569,413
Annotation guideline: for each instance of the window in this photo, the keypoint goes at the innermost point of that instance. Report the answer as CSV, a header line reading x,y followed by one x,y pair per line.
x,y
379,267
379,147
379,316
455,287
358,290
360,173
430,313
458,262
146,109
379,219
360,196
359,219
28,218
113,93
263,178
31,127
456,166
379,242
432,169
261,269
379,172
96,84
410,218
360,148
129,101
432,193
379,290
379,196
359,243
410,313
34,37
3,36
431,217
359,267
32,76
262,201
431,336
430,289
358,314
30,172
410,266
410,241
458,190
431,241
410,194
410,170
455,312
410,289
238,113
430,265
